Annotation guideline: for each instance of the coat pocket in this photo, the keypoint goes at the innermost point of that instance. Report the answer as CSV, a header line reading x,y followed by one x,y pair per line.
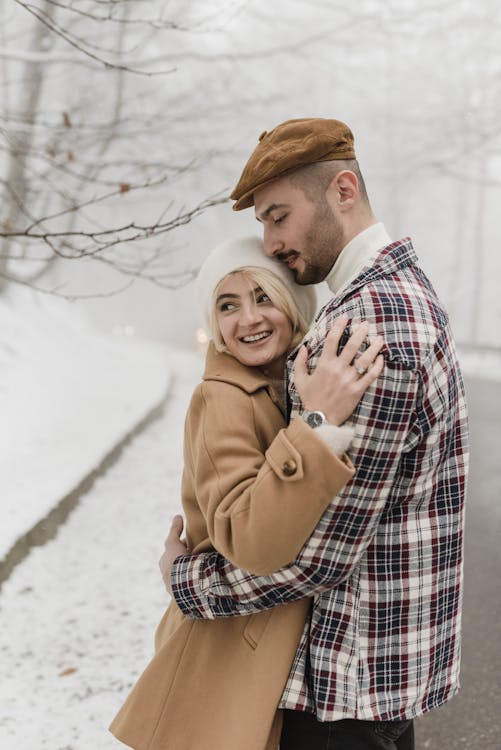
x,y
253,631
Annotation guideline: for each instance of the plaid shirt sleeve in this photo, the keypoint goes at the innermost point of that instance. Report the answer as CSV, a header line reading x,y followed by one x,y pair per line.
x,y
386,427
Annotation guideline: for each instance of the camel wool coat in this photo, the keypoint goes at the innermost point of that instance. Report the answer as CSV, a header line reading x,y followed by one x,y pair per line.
x,y
254,490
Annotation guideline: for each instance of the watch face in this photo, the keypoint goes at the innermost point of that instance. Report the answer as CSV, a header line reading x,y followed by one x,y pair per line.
x,y
315,418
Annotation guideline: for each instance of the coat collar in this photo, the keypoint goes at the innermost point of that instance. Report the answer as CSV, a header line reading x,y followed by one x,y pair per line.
x,y
391,259
360,252
224,367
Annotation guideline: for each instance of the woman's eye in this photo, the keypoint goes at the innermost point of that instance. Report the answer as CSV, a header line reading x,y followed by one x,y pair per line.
x,y
263,298
227,307
279,220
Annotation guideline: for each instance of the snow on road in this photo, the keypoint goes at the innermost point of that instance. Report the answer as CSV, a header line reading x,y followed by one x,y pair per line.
x,y
78,615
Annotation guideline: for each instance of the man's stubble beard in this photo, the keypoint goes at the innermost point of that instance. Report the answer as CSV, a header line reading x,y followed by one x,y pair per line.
x,y
323,244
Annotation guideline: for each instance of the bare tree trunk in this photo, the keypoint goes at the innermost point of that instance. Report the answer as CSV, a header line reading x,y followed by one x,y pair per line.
x,y
116,113
16,188
119,76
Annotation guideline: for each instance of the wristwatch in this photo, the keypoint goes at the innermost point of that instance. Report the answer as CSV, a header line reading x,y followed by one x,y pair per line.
x,y
314,418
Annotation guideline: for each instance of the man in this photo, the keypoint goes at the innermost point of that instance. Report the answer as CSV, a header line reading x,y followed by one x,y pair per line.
x,y
384,566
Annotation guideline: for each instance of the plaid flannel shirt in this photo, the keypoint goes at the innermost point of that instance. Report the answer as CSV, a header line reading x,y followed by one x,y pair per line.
x,y
384,565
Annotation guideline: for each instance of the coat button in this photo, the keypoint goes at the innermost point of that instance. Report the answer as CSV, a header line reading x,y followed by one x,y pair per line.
x,y
289,468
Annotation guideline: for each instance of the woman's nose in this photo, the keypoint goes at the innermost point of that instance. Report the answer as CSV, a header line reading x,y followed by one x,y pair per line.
x,y
250,314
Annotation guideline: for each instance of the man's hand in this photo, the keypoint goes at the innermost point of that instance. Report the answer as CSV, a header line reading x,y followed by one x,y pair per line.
x,y
339,380
174,546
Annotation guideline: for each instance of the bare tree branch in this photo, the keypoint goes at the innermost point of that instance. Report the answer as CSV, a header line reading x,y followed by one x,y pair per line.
x,y
82,46
106,239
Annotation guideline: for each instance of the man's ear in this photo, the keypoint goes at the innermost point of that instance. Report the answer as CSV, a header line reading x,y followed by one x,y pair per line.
x,y
343,190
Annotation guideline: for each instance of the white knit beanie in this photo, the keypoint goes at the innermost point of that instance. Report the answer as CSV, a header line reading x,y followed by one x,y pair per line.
x,y
235,255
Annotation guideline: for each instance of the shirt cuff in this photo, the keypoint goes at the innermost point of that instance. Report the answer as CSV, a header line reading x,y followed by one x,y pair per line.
x,y
338,439
185,577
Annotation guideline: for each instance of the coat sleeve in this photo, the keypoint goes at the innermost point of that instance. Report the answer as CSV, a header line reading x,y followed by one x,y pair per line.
x,y
259,507
208,586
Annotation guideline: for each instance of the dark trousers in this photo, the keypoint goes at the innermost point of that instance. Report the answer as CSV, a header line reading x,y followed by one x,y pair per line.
x,y
302,731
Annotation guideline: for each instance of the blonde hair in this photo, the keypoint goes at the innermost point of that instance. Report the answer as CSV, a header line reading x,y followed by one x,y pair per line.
x,y
279,295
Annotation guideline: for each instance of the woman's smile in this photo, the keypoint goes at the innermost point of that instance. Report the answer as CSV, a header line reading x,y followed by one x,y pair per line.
x,y
256,338
254,331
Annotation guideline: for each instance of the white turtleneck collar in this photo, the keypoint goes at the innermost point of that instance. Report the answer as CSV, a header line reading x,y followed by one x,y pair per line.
x,y
361,251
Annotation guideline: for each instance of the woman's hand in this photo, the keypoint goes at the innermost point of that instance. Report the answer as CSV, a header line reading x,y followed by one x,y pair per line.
x,y
339,381
174,546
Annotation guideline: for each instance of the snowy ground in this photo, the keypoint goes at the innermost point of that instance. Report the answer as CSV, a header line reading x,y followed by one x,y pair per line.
x,y
67,396
78,615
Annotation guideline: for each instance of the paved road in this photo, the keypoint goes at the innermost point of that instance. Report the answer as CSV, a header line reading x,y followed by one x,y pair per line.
x,y
473,719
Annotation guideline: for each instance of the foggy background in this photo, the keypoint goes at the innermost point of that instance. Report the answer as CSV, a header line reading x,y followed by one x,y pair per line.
x,y
137,111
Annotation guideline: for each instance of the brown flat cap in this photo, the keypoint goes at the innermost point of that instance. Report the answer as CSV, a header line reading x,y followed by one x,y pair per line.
x,y
290,145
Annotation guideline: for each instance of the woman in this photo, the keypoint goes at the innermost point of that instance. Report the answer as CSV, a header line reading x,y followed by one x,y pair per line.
x,y
254,490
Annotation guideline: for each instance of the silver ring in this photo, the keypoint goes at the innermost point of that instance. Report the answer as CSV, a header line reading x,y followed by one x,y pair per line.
x,y
361,370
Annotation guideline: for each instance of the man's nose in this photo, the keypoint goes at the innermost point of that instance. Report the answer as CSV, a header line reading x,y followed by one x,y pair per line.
x,y
271,244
